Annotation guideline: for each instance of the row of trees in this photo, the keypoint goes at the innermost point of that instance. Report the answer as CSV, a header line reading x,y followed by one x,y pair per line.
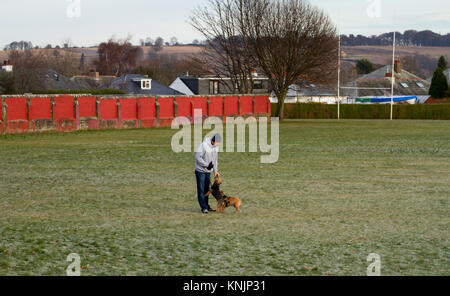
x,y
118,57
159,42
27,45
408,38
115,57
28,65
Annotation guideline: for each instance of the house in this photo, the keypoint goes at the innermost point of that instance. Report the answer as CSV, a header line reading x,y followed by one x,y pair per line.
x,y
94,79
48,79
378,84
213,85
141,85
7,66
308,92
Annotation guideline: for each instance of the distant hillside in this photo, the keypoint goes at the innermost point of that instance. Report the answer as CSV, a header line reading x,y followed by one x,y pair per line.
x,y
427,56
382,54
90,53
408,38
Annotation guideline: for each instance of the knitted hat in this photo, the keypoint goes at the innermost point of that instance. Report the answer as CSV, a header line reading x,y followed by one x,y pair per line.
x,y
217,138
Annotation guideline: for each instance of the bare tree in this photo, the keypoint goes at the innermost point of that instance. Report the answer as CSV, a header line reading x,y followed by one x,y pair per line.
x,y
27,66
149,41
174,41
116,57
158,45
227,52
19,45
289,40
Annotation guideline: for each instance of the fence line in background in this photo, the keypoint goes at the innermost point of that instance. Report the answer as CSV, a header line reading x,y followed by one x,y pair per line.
x,y
66,113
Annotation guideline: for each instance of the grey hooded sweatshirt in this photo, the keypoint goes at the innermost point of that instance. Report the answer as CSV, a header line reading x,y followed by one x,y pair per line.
x,y
206,153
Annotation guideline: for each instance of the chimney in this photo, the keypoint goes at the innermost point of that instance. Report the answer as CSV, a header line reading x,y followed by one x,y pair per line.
x,y
398,67
388,71
94,74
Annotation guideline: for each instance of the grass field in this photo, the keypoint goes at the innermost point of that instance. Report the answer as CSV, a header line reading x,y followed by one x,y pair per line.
x,y
127,204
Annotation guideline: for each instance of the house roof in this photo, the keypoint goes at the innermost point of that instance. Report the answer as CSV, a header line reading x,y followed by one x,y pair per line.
x,y
309,89
406,84
92,82
130,83
191,83
50,79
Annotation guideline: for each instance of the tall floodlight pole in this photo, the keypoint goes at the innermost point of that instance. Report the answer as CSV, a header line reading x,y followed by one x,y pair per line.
x,y
392,79
339,79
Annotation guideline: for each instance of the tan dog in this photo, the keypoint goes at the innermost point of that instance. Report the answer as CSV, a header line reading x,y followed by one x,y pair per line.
x,y
223,201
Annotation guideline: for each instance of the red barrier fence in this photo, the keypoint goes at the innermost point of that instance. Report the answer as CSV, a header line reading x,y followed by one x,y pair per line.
x,y
147,112
69,113
64,113
87,107
246,106
16,119
231,106
40,109
216,106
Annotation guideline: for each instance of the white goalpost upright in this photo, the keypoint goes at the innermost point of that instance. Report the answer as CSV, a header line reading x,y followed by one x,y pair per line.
x,y
393,78
339,80
365,88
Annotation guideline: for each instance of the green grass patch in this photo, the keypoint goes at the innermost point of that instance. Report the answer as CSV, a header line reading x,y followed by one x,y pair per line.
x,y
127,204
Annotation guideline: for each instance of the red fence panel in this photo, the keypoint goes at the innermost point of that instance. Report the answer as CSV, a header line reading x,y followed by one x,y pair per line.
x,y
16,109
200,103
108,109
166,114
147,112
88,106
147,107
64,113
129,109
231,106
166,108
184,107
64,108
40,108
16,115
246,106
261,105
215,106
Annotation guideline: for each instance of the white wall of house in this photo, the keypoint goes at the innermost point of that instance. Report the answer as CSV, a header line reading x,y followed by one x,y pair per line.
x,y
314,99
7,68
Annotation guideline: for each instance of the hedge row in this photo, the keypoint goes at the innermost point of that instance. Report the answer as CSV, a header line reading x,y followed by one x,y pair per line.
x,y
362,111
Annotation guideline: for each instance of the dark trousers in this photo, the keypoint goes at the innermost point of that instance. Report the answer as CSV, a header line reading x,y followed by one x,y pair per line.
x,y
202,189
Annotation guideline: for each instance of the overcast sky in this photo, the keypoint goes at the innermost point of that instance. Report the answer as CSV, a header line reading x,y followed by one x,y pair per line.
x,y
48,21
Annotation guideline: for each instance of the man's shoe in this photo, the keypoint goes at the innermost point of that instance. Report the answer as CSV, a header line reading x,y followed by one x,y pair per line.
x,y
205,211
211,210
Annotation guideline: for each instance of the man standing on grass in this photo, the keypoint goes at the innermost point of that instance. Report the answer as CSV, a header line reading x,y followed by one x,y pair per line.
x,y
206,161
